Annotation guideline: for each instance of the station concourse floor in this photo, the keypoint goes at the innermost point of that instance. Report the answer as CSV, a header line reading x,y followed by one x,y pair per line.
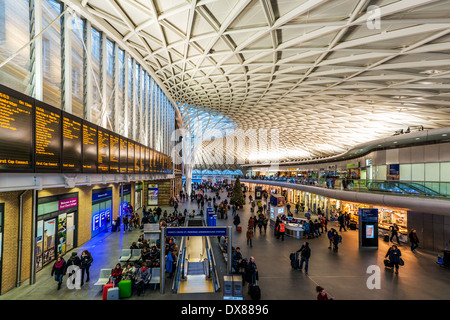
x,y
344,274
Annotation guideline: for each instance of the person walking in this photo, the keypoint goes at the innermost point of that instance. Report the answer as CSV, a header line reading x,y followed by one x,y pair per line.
x,y
414,239
125,222
394,232
341,220
86,261
304,256
59,269
236,221
265,222
260,223
336,240
394,255
249,236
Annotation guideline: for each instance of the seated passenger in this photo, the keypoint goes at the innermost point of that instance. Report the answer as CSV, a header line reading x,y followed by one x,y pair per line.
x,y
134,246
129,272
145,254
116,274
142,277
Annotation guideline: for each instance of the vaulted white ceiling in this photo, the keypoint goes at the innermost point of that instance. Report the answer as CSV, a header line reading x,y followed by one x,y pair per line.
x,y
328,74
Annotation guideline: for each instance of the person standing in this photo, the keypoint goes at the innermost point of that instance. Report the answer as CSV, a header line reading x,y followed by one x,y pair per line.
x,y
86,261
251,272
394,232
249,236
236,260
394,254
414,239
59,269
281,230
304,256
125,222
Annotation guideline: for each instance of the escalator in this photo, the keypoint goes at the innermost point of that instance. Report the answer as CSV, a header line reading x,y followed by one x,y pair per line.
x,y
196,268
408,188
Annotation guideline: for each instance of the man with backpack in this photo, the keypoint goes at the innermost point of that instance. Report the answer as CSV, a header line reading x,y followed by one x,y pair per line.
x,y
304,256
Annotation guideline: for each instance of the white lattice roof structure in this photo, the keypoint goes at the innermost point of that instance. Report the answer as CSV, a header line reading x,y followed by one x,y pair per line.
x,y
327,74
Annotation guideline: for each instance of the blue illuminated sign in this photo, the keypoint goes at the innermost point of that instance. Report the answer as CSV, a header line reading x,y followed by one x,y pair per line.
x,y
196,231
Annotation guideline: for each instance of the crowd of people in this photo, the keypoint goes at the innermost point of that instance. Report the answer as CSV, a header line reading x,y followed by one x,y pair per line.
x,y
209,195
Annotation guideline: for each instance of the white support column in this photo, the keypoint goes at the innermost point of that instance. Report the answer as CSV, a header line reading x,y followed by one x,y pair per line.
x,y
117,104
125,93
103,78
37,87
67,60
133,100
87,62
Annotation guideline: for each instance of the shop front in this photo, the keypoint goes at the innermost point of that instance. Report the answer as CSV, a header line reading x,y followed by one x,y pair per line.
x,y
101,210
56,227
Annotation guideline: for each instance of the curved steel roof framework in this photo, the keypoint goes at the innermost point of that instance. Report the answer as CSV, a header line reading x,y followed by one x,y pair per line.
x,y
328,74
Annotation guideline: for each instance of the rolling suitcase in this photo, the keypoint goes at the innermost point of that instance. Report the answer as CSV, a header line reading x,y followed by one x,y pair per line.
x,y
106,287
239,228
386,238
125,289
113,293
254,290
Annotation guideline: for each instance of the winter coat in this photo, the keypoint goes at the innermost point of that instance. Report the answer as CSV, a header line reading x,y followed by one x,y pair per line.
x,y
59,267
394,255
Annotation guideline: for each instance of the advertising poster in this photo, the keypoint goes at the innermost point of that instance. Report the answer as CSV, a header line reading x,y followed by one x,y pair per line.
x,y
152,199
62,233
369,231
49,240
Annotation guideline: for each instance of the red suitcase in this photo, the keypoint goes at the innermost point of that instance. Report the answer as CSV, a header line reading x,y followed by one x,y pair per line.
x,y
239,228
105,290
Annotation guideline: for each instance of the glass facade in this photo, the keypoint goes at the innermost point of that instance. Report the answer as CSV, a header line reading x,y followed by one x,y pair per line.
x,y
74,66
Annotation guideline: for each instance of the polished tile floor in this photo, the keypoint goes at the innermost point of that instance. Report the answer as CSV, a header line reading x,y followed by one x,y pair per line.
x,y
345,274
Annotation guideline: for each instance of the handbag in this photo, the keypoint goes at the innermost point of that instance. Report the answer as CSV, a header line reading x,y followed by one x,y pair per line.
x,y
401,262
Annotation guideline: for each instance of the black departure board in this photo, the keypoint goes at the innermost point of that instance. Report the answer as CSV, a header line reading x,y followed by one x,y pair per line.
x,y
72,136
48,138
103,151
137,158
142,163
89,147
147,160
37,137
114,153
16,131
130,156
123,155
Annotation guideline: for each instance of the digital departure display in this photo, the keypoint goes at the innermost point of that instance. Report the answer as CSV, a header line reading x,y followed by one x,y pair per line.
x,y
72,143
114,153
130,156
123,155
16,131
37,137
137,158
48,138
89,148
103,151
147,160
